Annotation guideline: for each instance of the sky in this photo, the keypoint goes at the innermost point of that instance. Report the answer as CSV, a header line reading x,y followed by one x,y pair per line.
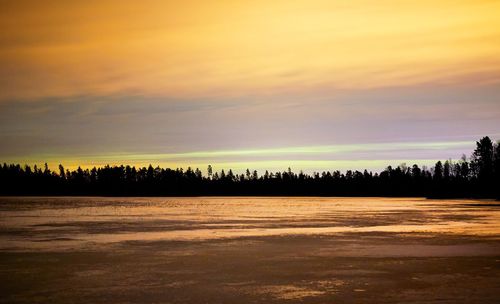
x,y
309,84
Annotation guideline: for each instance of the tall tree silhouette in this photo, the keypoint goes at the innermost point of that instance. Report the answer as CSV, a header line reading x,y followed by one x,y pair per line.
x,y
482,158
438,171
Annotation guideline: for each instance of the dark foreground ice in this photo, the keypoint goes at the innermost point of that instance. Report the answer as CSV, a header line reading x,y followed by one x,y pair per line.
x,y
249,250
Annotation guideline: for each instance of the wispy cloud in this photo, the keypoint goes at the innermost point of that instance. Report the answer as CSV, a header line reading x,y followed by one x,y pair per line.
x,y
236,48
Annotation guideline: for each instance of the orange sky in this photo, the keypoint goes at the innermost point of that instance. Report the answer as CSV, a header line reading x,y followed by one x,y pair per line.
x,y
97,81
227,48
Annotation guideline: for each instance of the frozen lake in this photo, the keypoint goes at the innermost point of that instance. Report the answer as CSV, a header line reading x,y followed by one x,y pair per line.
x,y
249,250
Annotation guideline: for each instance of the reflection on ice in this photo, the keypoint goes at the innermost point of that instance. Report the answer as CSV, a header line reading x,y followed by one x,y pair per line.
x,y
38,223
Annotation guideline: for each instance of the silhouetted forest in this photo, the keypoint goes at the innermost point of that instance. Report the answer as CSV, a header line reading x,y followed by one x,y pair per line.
x,y
477,176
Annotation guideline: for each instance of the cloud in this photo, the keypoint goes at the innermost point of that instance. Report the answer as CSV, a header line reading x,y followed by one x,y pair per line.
x,y
423,123
239,82
202,49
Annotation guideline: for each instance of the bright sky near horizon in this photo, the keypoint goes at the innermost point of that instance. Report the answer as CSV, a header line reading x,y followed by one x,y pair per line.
x,y
307,84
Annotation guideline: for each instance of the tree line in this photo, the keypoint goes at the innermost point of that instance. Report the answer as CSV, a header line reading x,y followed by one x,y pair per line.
x,y
476,176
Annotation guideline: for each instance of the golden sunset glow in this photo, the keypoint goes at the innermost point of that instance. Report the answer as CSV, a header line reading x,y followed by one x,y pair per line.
x,y
232,48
